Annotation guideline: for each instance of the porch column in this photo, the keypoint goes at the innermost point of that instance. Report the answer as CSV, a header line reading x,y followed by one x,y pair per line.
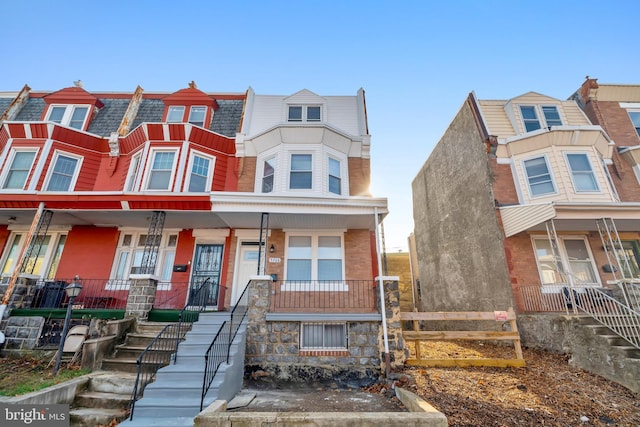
x,y
257,331
142,295
22,295
398,352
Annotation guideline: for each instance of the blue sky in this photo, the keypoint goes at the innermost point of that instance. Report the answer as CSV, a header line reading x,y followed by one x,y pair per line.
x,y
416,60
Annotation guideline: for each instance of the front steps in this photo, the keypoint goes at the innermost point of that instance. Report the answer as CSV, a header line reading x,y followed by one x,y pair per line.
x,y
174,398
605,353
109,391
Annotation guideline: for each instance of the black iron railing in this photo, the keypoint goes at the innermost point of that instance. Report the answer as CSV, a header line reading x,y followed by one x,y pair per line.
x,y
323,296
165,345
105,294
220,349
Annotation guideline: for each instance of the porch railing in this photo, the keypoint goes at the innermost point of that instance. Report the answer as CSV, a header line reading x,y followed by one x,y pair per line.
x,y
106,294
220,348
356,296
598,303
631,292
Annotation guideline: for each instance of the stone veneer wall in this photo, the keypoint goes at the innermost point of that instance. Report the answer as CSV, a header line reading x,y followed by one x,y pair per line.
x,y
142,295
273,347
22,333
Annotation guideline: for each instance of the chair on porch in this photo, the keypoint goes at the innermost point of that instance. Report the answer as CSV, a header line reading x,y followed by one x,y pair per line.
x,y
72,349
567,298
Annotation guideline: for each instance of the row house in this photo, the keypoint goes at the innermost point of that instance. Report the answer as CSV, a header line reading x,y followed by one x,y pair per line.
x,y
526,198
195,193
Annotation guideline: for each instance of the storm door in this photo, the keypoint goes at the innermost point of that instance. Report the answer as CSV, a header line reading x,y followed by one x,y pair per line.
x,y
206,271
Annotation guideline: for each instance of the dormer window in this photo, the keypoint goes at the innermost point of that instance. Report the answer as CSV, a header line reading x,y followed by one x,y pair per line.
x,y
304,113
531,120
197,115
73,116
175,114
551,115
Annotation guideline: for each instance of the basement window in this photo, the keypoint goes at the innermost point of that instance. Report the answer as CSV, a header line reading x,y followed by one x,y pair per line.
x,y
323,336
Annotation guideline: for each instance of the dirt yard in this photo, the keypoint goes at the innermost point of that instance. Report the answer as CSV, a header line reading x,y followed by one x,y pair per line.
x,y
547,392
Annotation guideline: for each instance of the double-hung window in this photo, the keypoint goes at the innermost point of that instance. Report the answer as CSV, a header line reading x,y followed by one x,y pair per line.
x,y
301,174
268,174
579,263
175,114
581,172
42,262
335,182
64,173
304,113
200,177
73,116
18,172
314,257
635,119
530,118
538,176
197,115
130,254
134,169
160,175
551,115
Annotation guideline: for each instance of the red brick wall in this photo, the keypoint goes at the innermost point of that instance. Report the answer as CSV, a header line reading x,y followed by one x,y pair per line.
x,y
359,176
504,189
246,174
357,255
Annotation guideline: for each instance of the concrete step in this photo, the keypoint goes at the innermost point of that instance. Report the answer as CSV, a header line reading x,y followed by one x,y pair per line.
x,y
137,339
102,400
155,327
112,382
173,406
91,417
126,365
133,351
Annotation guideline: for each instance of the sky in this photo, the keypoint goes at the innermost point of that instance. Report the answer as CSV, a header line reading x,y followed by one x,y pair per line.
x,y
416,60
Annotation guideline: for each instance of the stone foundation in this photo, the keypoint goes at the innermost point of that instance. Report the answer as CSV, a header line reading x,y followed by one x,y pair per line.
x,y
142,295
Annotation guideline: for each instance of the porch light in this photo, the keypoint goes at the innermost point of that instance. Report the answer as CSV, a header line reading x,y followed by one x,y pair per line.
x,y
72,290
272,249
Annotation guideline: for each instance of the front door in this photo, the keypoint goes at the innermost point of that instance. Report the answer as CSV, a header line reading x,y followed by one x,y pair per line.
x,y
248,267
206,268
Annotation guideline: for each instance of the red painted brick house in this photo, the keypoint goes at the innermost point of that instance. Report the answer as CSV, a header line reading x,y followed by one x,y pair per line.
x,y
185,188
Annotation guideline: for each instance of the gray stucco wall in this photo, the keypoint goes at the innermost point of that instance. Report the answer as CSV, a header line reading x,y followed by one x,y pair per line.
x,y
458,240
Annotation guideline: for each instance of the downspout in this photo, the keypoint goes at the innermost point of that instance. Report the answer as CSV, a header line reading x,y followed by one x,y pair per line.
x,y
383,311
19,260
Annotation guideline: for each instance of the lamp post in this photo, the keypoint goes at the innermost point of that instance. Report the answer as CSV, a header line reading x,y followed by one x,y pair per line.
x,y
72,290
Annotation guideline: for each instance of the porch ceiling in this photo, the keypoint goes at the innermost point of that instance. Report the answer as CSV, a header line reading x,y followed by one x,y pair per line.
x,y
230,218
569,216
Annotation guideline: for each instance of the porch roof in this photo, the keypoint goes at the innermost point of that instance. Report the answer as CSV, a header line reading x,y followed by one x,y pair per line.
x,y
568,216
214,210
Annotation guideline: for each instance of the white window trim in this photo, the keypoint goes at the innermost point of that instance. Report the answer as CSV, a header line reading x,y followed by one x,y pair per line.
x,y
176,108
304,118
593,173
540,114
133,174
68,113
204,118
299,285
9,162
210,172
76,172
149,169
47,258
327,174
323,348
320,172
635,109
557,287
314,172
526,176
123,283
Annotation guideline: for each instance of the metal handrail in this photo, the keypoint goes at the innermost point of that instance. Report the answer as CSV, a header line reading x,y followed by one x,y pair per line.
x,y
157,354
219,351
147,362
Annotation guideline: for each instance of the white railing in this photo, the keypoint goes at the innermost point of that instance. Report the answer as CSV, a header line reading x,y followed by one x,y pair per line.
x,y
631,292
598,303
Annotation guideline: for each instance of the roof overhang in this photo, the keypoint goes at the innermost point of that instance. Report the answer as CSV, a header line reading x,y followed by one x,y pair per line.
x,y
568,216
215,210
556,136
